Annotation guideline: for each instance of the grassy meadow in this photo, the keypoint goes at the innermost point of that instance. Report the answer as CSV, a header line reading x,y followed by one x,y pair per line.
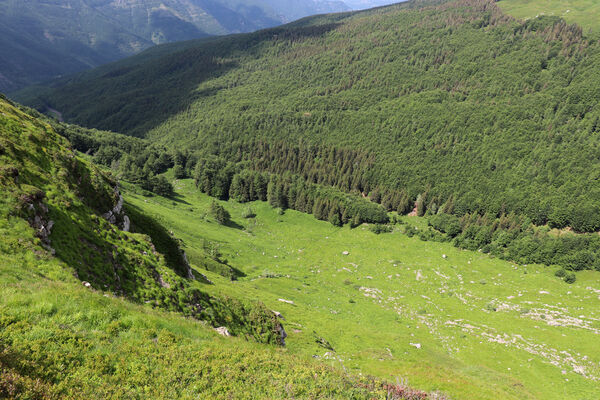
x,y
423,313
582,12
69,328
59,340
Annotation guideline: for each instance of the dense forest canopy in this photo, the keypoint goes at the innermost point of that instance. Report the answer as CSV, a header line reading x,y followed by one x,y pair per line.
x,y
454,100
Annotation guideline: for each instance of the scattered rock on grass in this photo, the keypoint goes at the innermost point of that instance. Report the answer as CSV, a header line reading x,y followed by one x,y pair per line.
x,y
222,331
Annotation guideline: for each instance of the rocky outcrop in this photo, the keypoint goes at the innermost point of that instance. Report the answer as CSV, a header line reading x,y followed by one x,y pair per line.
x,y
222,331
278,315
126,224
280,329
117,216
282,334
189,272
37,215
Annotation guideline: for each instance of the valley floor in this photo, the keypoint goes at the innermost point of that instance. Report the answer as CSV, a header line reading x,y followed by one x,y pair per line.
x,y
421,313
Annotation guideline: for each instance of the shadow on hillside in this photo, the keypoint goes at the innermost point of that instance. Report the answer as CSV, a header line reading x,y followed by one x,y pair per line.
x,y
235,225
163,241
219,266
108,260
135,98
179,199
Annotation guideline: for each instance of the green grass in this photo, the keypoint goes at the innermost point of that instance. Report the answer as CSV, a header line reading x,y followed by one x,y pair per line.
x,y
59,340
370,305
113,337
582,12
485,328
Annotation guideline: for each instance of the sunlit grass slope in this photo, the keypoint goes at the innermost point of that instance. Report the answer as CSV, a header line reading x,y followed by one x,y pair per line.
x,y
466,324
61,338
58,340
583,12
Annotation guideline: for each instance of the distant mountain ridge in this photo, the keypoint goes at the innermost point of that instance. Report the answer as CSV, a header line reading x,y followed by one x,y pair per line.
x,y
363,4
43,39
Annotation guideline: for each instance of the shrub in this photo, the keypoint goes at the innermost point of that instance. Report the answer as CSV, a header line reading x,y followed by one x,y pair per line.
x,y
219,213
356,221
248,213
334,219
585,218
570,277
446,223
161,186
561,273
411,231
179,172
559,218
579,261
380,228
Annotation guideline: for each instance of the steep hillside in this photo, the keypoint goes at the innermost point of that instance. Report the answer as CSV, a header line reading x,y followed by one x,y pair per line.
x,y
79,216
455,106
41,39
400,308
74,279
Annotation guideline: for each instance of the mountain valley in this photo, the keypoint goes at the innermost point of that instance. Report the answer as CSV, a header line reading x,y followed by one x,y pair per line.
x,y
400,202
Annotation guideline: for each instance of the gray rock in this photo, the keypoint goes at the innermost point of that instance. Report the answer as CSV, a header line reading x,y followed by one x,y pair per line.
x,y
282,334
222,331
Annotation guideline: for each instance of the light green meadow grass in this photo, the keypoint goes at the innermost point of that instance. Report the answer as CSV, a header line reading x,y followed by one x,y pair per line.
x,y
126,351
540,343
583,12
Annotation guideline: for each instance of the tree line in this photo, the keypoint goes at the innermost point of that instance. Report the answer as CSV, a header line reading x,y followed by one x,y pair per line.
x,y
225,180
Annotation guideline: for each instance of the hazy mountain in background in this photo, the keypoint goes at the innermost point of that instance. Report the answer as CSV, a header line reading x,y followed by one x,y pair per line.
x,y
363,4
289,10
42,39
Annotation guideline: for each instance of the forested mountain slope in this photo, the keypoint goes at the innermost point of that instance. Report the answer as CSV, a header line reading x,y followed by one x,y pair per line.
x,y
451,103
43,39
86,282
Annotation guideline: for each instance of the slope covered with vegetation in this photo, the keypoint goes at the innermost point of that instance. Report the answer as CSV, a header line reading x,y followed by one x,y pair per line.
x,y
456,104
460,323
73,280
426,134
80,217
